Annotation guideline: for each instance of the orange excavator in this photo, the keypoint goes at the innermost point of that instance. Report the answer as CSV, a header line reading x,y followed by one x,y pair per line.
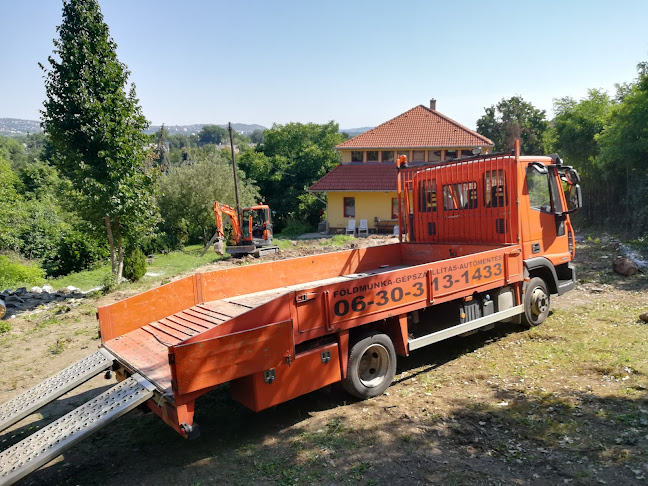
x,y
252,235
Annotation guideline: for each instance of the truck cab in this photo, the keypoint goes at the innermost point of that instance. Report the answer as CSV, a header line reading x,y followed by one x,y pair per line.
x,y
499,199
551,191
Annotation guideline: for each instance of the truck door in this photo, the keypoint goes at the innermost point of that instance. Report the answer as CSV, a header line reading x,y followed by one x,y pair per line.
x,y
545,232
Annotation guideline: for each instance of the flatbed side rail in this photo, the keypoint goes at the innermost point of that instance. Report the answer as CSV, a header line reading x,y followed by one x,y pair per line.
x,y
385,295
127,315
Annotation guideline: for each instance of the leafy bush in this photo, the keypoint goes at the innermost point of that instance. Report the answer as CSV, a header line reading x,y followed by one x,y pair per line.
x,y
42,228
109,283
134,265
341,240
14,274
75,251
294,228
11,207
160,243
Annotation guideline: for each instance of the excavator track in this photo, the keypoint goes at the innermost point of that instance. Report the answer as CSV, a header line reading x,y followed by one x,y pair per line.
x,y
49,390
50,442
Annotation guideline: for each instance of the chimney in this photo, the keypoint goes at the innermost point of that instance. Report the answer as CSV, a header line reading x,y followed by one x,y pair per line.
x,y
433,104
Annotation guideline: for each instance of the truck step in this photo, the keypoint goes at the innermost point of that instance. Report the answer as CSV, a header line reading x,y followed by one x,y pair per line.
x,y
41,447
53,387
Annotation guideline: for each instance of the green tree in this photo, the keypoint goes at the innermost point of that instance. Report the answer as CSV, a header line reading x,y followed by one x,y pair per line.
x,y
513,119
96,129
161,150
38,216
257,136
623,158
188,193
179,147
11,207
576,125
13,151
212,134
573,135
290,159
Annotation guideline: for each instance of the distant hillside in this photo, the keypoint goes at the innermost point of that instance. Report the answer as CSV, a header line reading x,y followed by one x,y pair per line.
x,y
243,128
355,131
12,127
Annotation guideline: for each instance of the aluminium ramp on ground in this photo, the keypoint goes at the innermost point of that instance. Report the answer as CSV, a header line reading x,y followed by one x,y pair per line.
x,y
53,387
50,442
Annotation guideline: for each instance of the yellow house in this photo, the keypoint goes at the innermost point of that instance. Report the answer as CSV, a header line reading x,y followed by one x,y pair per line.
x,y
363,185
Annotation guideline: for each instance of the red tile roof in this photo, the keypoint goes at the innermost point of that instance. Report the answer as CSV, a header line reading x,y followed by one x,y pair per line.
x,y
359,177
418,127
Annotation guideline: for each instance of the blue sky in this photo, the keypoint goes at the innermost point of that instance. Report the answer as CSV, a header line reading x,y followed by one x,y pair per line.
x,y
356,62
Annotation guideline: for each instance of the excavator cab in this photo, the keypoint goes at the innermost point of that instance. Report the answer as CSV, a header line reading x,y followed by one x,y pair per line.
x,y
257,225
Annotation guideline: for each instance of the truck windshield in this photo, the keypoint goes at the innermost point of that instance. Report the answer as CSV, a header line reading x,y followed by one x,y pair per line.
x,y
538,185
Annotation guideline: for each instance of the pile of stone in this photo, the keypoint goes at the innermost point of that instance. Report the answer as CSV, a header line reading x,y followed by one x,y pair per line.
x,y
21,299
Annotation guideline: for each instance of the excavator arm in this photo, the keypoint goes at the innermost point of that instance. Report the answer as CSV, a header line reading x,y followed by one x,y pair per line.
x,y
237,235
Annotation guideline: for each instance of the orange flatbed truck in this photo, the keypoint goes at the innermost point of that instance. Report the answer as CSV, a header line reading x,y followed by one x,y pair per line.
x,y
483,240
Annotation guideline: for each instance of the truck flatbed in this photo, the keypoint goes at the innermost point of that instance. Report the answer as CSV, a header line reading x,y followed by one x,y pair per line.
x,y
146,349
369,284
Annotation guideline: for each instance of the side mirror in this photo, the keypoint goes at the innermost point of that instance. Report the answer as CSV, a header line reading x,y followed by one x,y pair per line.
x,y
572,176
574,198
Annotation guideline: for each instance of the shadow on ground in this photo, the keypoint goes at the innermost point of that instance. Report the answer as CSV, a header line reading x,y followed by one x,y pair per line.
x,y
326,438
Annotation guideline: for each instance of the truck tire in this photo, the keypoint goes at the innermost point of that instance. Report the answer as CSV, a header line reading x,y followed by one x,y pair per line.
x,y
372,366
536,302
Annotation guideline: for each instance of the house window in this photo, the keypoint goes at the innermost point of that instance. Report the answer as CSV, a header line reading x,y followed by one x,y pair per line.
x,y
372,156
450,154
387,156
466,153
434,156
394,208
349,207
356,156
418,156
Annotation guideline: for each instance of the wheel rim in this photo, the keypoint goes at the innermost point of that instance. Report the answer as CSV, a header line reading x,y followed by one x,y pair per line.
x,y
539,301
373,365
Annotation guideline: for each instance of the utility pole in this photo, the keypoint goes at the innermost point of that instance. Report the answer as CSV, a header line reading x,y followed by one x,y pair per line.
x,y
236,192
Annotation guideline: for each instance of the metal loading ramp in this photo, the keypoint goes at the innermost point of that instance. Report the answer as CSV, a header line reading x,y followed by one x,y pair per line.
x,y
46,444
53,387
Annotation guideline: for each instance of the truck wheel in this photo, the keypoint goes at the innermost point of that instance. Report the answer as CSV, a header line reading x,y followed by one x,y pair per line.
x,y
372,366
536,302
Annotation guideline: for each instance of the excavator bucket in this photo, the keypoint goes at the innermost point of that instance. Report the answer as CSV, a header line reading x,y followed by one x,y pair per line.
x,y
219,247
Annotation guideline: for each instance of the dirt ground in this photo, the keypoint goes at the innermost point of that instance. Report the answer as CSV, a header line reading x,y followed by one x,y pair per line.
x,y
563,403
